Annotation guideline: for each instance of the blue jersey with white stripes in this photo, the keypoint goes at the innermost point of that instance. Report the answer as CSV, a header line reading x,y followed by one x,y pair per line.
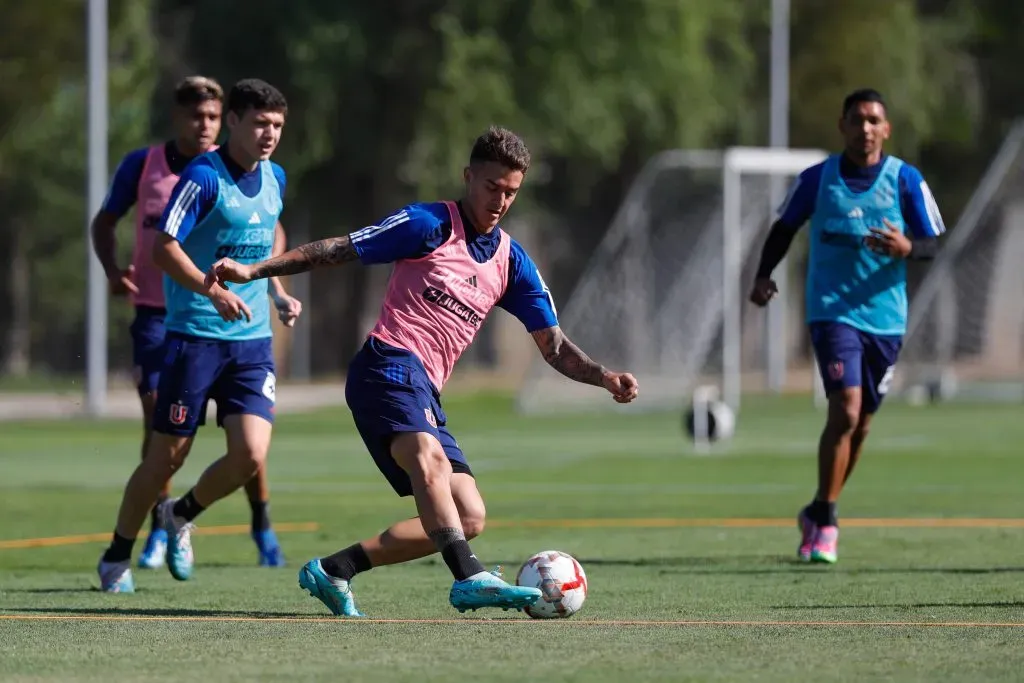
x,y
219,210
846,281
916,201
419,229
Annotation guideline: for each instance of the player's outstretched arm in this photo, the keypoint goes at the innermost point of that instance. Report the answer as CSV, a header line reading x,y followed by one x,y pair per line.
x,y
329,252
288,307
564,356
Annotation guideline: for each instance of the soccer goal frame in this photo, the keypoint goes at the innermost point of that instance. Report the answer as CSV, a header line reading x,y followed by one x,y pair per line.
x,y
737,161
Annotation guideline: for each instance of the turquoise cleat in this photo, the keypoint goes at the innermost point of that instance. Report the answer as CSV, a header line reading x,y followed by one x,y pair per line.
x,y
180,557
335,593
155,552
490,590
116,577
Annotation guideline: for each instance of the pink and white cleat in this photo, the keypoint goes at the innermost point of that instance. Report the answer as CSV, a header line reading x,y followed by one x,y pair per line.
x,y
826,545
808,532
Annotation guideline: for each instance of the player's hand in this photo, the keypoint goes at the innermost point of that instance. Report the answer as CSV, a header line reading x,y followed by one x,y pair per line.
x,y
889,240
764,291
122,282
229,305
621,385
225,270
288,309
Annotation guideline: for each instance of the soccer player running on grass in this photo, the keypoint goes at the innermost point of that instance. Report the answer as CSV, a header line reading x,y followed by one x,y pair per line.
x,y
219,344
145,178
869,212
452,265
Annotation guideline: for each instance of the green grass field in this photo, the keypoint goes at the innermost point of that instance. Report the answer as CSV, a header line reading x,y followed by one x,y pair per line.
x,y
690,557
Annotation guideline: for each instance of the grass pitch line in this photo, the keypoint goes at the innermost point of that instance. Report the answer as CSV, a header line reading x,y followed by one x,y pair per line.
x,y
753,523
567,622
652,523
55,541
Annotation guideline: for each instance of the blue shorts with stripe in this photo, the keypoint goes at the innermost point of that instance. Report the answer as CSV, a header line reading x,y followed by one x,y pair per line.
x,y
389,393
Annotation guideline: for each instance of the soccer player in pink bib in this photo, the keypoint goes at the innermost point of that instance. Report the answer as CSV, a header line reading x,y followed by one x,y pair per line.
x,y
145,179
452,265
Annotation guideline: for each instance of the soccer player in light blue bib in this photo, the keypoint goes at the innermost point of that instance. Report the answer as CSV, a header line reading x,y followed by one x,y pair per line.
x,y
869,212
225,205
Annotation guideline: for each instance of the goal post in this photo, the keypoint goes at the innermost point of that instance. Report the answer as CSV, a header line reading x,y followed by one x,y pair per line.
x,y
662,294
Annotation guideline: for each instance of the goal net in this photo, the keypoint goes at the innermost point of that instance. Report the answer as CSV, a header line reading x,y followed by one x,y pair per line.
x,y
663,295
966,330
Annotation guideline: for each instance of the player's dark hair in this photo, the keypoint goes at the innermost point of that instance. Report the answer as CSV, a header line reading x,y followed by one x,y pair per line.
x,y
196,90
502,146
252,93
860,96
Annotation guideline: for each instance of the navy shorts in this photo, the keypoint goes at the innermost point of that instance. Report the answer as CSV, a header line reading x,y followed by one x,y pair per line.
x,y
848,357
389,393
238,375
148,334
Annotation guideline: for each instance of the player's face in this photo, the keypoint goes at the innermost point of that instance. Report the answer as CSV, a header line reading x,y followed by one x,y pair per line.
x,y
490,190
257,132
864,128
198,125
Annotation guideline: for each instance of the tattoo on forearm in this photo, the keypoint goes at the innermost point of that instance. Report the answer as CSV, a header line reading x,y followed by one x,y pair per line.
x,y
327,252
564,356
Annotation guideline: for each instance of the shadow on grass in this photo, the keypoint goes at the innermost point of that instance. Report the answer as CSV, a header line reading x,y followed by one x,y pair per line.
x,y
1007,604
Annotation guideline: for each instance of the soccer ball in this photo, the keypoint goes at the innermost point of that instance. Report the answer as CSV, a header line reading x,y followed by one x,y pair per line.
x,y
720,422
562,582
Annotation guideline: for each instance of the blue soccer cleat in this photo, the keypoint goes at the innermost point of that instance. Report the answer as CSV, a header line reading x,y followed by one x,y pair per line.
x,y
270,550
488,589
180,557
335,593
116,577
155,552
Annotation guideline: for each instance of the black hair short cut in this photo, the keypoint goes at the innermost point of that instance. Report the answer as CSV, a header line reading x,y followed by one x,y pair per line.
x,y
502,146
252,93
860,96
196,90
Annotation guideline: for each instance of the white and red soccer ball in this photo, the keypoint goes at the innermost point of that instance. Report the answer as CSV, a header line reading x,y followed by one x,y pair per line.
x,y
562,582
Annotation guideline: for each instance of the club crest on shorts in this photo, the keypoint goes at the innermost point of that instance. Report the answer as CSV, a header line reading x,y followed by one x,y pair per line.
x,y
835,370
178,413
430,417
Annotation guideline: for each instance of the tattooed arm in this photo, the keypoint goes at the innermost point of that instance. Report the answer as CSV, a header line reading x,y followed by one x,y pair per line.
x,y
564,356
328,252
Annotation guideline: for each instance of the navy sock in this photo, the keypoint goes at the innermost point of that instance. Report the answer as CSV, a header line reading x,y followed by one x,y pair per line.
x,y
154,514
346,563
260,515
823,513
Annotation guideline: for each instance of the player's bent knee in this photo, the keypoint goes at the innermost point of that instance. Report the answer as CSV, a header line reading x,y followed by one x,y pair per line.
x,y
168,450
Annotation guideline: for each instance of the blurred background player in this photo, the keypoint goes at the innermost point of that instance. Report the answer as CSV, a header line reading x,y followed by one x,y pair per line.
x,y
453,264
146,177
869,212
218,345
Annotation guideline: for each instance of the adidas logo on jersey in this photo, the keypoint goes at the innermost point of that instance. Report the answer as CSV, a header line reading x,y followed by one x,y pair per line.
x,y
255,218
471,280
232,203
856,213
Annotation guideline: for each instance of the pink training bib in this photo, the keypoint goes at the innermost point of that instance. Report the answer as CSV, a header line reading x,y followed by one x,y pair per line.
x,y
435,305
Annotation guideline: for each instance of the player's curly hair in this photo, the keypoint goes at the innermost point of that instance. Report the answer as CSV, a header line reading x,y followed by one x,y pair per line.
x,y
252,93
501,146
196,90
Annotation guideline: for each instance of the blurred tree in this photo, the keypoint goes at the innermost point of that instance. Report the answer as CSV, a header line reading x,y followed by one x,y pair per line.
x,y
42,166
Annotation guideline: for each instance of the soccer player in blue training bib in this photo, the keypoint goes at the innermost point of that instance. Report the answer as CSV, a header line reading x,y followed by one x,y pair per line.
x,y
219,346
869,213
145,178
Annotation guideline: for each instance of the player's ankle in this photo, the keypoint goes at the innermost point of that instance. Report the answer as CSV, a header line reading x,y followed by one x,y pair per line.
x,y
120,549
260,515
187,508
345,564
456,553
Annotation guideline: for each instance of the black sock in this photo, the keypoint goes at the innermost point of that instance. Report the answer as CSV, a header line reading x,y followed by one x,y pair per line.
x,y
823,513
186,507
120,549
260,515
456,553
154,514
346,563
